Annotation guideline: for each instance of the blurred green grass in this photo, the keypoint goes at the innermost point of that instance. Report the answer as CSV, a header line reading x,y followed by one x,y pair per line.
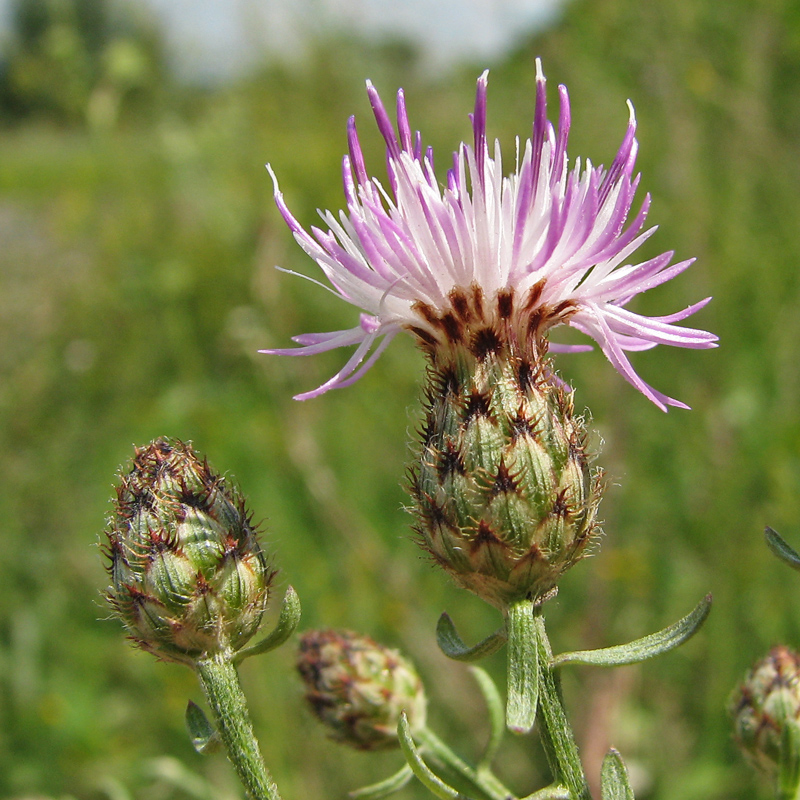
x,y
138,282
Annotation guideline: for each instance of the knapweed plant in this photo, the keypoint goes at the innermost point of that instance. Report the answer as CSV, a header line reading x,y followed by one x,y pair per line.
x,y
481,268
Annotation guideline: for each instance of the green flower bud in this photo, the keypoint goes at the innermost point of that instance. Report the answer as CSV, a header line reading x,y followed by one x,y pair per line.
x,y
767,701
359,688
503,491
188,576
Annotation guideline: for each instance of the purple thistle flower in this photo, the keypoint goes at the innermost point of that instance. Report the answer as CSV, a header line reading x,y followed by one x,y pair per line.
x,y
549,239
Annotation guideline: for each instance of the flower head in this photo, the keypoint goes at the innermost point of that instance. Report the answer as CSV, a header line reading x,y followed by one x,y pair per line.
x,y
359,688
764,705
504,492
188,576
544,245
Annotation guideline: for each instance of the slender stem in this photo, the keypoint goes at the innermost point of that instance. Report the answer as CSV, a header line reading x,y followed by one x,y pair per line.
x,y
788,784
483,780
220,682
554,728
523,669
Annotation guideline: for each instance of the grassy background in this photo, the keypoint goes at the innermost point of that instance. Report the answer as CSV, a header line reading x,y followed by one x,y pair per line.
x,y
137,283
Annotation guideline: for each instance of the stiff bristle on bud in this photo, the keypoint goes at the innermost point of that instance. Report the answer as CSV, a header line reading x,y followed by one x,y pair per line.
x,y
764,705
188,576
503,490
359,688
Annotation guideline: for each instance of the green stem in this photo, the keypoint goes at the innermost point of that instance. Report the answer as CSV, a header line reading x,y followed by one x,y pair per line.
x,y
554,728
788,786
523,667
220,682
482,780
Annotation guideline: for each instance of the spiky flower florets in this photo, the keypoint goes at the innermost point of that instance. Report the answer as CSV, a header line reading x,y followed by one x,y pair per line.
x,y
359,688
550,240
762,707
188,576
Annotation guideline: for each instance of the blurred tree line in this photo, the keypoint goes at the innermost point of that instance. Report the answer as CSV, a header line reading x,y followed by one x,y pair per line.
x,y
81,61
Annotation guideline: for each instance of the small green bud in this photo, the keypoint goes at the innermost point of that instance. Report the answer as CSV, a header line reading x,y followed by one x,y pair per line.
x,y
762,707
359,688
503,490
188,576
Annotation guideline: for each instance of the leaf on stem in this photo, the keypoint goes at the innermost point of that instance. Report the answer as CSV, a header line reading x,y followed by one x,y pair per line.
x,y
205,738
781,549
555,792
424,774
644,648
287,623
452,645
384,788
496,713
614,783
523,667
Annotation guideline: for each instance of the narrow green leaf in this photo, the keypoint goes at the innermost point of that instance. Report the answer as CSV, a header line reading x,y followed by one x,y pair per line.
x,y
452,645
287,624
555,792
644,648
385,788
523,668
424,774
204,738
789,761
614,783
494,703
781,549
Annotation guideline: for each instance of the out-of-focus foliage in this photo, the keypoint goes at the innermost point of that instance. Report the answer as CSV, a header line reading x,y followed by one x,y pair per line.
x,y
137,282
77,61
